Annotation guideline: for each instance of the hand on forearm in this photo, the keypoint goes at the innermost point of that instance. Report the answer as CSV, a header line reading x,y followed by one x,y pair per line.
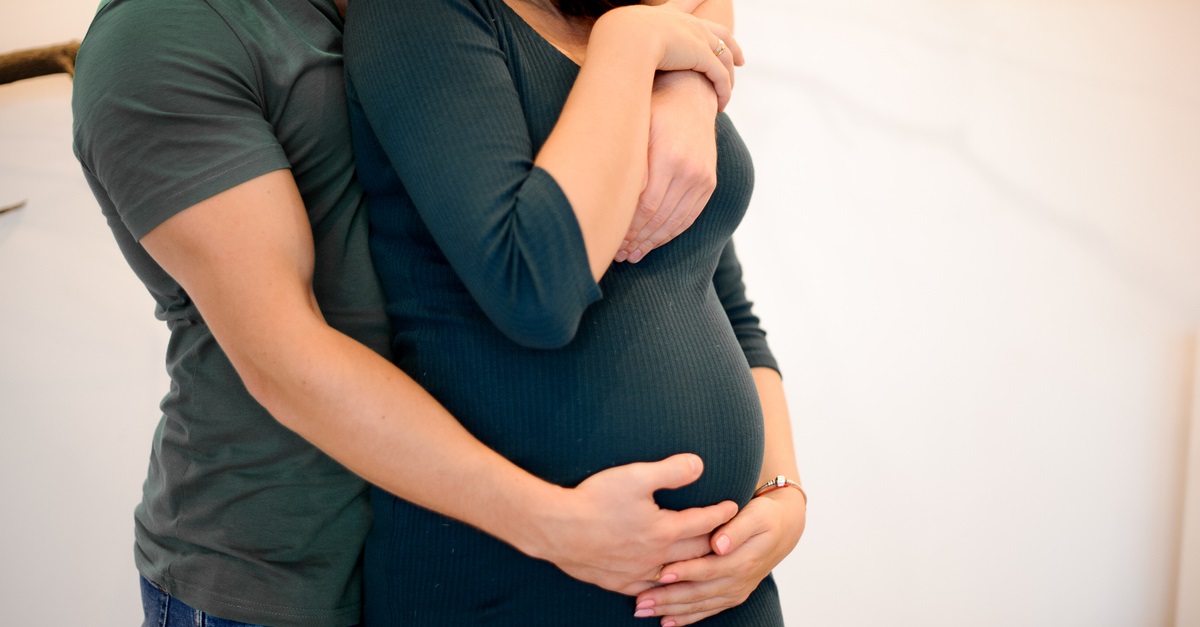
x,y
682,163
597,149
682,160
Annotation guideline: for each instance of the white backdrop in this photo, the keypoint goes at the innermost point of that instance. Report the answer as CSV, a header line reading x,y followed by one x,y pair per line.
x,y
975,241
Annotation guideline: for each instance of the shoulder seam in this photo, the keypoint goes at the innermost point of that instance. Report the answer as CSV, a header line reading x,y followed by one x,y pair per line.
x,y
258,80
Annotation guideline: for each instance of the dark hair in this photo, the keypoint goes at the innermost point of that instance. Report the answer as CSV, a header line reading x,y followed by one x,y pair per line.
x,y
590,9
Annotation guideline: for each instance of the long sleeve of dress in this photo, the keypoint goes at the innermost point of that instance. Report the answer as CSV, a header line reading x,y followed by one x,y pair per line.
x,y
746,326
435,88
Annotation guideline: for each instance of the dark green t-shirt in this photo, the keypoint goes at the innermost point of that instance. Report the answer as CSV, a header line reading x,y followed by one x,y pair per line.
x,y
176,101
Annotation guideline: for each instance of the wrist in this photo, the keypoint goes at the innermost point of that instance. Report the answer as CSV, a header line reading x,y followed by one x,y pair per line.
x,y
687,86
534,517
623,31
792,509
780,482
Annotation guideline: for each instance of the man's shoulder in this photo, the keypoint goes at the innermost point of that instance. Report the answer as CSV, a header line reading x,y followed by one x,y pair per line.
x,y
167,108
134,41
151,21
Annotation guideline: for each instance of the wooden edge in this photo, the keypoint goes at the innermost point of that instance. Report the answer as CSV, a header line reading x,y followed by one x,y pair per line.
x,y
22,64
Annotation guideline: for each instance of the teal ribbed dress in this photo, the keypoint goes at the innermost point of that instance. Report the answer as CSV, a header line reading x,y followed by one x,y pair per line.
x,y
495,312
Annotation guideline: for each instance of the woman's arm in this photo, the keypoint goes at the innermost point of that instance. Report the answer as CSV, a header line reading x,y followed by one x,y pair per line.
x,y
527,232
682,164
597,151
747,548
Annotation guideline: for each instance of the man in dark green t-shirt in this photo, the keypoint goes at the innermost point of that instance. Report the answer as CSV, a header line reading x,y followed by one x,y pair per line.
x,y
214,135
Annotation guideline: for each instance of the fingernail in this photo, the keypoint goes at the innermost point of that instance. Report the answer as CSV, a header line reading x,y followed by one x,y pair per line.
x,y
722,544
643,613
621,255
645,605
668,578
669,623
637,255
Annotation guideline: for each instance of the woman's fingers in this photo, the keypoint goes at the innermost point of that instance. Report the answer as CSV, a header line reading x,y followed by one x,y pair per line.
x,y
732,535
649,204
689,598
688,602
701,201
658,215
715,70
688,42
676,214
680,621
734,49
727,49
746,549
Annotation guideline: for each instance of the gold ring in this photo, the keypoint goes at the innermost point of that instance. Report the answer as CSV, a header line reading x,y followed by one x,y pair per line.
x,y
720,47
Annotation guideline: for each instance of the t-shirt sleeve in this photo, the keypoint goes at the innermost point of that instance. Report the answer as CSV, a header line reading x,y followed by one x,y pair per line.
x,y
167,110
440,104
731,290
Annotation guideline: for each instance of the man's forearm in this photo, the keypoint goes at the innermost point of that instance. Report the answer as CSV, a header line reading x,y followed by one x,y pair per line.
x,y
377,421
374,419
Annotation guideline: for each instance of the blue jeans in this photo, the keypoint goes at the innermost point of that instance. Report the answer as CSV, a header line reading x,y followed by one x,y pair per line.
x,y
164,610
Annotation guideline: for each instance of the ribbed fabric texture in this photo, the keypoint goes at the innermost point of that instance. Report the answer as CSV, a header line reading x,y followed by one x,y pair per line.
x,y
496,314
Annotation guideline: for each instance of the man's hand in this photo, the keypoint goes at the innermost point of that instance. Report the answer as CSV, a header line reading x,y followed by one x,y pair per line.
x,y
744,552
608,531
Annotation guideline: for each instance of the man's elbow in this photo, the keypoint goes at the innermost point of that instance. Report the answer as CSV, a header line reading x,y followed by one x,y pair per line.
x,y
266,383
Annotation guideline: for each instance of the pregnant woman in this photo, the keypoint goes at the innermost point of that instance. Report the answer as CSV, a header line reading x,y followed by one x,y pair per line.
x,y
503,146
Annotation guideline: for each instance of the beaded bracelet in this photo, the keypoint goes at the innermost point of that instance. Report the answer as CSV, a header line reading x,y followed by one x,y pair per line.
x,y
779,483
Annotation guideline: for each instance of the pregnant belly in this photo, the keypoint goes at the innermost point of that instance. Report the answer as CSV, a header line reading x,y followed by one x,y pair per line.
x,y
636,384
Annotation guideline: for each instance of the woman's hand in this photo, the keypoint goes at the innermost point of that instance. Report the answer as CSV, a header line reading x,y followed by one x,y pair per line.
x,y
682,172
683,42
744,551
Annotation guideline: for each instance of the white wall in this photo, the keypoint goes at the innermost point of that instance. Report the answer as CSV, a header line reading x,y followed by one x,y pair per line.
x,y
975,240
